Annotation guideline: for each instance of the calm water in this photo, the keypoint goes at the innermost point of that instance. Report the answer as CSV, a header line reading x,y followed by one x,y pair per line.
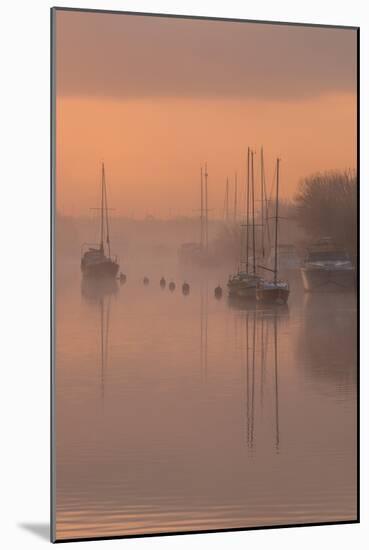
x,y
187,413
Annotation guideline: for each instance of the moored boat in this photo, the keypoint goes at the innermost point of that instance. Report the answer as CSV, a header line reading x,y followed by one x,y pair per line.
x,y
275,291
327,268
97,262
243,283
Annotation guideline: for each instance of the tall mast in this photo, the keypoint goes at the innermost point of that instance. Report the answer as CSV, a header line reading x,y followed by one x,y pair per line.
x,y
247,209
202,210
266,207
206,207
102,208
227,201
276,225
262,200
106,216
235,198
253,212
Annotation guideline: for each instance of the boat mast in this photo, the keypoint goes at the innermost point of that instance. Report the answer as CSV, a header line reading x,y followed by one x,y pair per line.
x,y
227,201
201,210
206,207
253,212
247,209
262,200
102,209
266,207
106,216
235,198
276,225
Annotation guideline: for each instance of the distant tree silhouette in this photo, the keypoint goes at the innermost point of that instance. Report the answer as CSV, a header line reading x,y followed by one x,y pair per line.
x,y
326,206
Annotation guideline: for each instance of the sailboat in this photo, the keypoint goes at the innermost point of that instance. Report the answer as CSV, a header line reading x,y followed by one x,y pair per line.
x,y
243,283
197,253
97,262
275,291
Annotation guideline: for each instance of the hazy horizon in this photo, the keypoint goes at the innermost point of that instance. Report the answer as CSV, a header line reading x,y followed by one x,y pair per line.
x,y
192,91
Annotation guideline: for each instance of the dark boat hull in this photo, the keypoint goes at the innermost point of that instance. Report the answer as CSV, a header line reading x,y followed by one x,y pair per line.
x,y
277,296
242,292
100,270
328,280
244,288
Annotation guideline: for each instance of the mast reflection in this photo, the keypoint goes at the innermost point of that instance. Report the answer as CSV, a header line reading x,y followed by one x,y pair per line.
x,y
256,357
204,329
98,293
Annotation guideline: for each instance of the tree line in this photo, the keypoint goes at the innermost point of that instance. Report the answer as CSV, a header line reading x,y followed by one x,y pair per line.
x,y
326,206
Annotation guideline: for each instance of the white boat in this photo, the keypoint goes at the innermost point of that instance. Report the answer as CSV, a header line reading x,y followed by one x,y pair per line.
x,y
327,268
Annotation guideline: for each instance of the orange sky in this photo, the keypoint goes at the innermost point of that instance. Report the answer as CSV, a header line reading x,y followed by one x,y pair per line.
x,y
155,98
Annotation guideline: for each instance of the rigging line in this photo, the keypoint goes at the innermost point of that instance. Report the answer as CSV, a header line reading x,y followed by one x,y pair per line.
x,y
247,209
276,225
202,209
102,208
262,201
227,200
106,216
227,205
273,184
253,214
206,208
266,203
235,198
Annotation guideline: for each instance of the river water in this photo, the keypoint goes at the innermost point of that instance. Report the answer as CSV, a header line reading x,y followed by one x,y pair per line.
x,y
177,413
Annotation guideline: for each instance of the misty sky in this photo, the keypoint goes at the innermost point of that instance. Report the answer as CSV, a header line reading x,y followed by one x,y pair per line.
x,y
156,97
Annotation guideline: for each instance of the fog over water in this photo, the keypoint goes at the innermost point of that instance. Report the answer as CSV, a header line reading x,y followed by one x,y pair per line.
x,y
178,409
182,412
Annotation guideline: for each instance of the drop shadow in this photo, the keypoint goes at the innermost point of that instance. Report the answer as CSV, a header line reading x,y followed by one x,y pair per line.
x,y
42,530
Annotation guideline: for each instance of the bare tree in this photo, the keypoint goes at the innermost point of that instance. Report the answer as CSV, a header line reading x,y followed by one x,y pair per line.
x,y
326,206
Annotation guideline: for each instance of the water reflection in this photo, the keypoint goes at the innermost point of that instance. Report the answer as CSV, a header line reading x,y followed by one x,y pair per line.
x,y
104,307
257,354
215,413
280,310
328,327
204,287
93,290
98,293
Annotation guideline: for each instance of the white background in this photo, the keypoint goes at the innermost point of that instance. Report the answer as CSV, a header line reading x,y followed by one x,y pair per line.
x,y
24,268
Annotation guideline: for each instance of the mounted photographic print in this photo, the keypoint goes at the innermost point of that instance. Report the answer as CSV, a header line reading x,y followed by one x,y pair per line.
x,y
204,274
